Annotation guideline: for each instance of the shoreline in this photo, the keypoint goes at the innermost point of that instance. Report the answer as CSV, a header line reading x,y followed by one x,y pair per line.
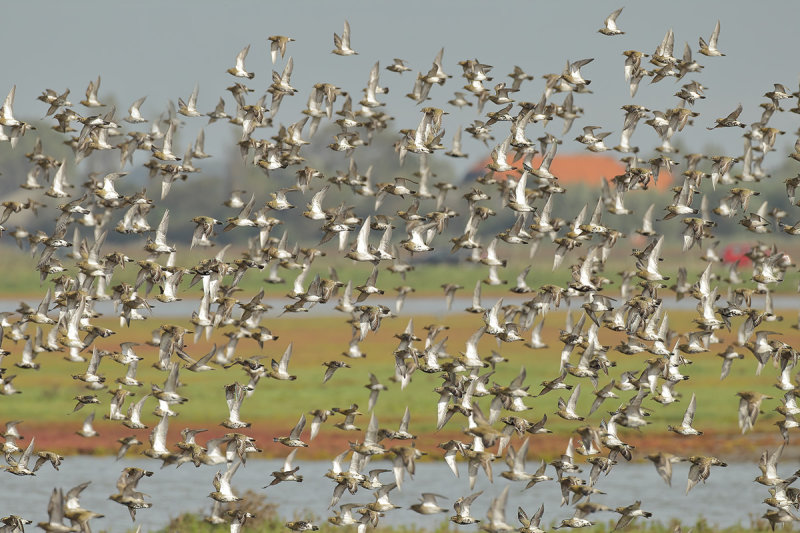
x,y
61,438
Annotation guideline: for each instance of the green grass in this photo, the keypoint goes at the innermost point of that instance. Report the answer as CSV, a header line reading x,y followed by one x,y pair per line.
x,y
192,524
195,524
278,404
266,520
21,279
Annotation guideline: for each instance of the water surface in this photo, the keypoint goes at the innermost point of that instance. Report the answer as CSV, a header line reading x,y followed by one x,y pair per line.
x,y
727,498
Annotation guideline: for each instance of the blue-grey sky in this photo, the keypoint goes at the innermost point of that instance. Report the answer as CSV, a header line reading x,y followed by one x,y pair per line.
x,y
161,49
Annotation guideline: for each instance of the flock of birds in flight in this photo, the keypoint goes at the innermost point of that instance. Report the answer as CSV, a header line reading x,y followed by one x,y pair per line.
x,y
78,273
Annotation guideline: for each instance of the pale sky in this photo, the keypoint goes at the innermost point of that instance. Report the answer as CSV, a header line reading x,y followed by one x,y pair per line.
x,y
161,49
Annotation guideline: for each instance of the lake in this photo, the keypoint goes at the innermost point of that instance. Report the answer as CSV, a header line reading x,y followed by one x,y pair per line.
x,y
728,497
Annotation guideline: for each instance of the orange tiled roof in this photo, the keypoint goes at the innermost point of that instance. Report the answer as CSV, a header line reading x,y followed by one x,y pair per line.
x,y
586,168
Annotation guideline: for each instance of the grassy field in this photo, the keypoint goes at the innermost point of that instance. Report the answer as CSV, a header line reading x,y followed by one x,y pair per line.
x,y
193,524
276,405
265,520
21,279
47,394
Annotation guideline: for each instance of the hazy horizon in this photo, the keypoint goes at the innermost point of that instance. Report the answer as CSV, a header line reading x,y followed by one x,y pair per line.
x,y
156,50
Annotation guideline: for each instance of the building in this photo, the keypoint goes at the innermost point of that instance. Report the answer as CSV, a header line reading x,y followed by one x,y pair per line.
x,y
573,169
